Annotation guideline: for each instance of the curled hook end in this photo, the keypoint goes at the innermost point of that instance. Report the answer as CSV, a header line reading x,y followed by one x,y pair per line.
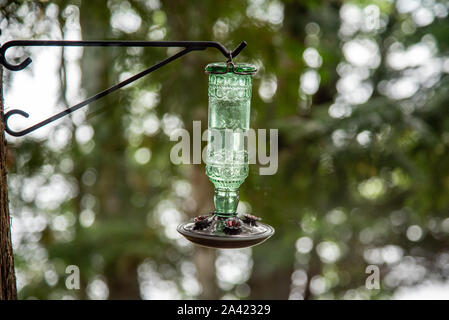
x,y
18,67
5,120
8,65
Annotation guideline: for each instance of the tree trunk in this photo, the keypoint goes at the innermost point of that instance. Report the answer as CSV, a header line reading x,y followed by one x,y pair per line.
x,y
8,290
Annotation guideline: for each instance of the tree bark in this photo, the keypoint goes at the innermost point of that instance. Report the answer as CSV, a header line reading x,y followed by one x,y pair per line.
x,y
8,290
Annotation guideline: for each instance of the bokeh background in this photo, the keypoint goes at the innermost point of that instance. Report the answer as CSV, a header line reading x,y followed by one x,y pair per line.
x,y
359,91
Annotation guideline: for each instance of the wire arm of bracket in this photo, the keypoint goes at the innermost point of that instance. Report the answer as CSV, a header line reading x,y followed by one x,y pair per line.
x,y
197,45
188,47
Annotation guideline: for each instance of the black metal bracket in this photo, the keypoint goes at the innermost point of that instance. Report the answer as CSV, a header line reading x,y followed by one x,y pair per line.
x,y
188,46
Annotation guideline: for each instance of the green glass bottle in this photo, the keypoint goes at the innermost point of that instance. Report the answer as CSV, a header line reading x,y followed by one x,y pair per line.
x,y
229,114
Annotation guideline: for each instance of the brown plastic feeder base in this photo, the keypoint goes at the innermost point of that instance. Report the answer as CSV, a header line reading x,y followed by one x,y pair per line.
x,y
213,232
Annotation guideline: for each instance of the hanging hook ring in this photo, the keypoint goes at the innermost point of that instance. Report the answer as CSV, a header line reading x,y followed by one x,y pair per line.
x,y
230,64
5,121
12,67
8,65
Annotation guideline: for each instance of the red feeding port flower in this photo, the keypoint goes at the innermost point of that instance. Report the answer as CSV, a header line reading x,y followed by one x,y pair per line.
x,y
201,222
232,225
250,219
199,218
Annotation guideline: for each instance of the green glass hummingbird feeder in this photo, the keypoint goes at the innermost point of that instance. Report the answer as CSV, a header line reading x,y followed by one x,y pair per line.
x,y
227,155
227,161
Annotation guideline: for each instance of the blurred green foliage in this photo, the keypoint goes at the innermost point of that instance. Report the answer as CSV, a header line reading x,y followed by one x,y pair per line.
x,y
363,170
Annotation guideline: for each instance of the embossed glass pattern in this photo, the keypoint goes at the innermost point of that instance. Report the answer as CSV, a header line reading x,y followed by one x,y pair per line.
x,y
227,153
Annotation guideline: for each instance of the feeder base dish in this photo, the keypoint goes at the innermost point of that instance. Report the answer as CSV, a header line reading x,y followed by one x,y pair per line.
x,y
225,233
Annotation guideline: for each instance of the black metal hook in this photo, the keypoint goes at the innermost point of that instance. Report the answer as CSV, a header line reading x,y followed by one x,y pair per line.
x,y
237,50
187,45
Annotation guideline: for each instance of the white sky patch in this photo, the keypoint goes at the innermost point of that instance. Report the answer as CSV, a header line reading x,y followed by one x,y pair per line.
x,y
126,20
419,65
41,79
423,17
190,281
151,124
153,285
304,245
364,138
415,55
72,55
299,278
26,224
360,94
153,4
84,133
145,100
244,207
371,18
47,198
168,216
414,233
406,6
353,89
310,82
318,285
42,91
87,218
59,138
405,273
429,290
221,29
351,18
340,110
171,122
445,225
312,58
142,155
268,87
51,277
182,188
362,53
402,88
313,28
372,188
440,10
97,289
339,137
233,267
266,11
392,254
336,216
157,33
328,251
